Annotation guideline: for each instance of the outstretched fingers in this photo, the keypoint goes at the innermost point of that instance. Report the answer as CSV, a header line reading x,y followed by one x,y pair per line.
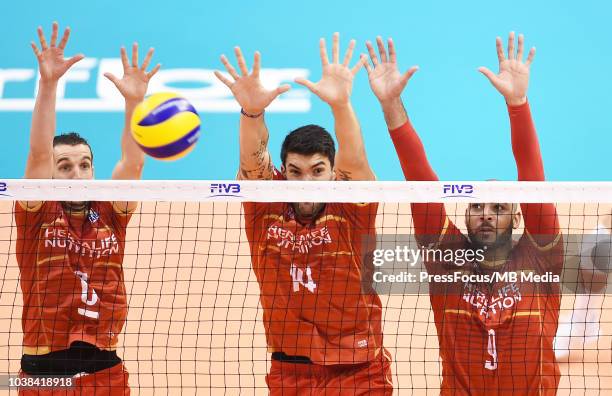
x,y
154,71
511,54
135,55
336,48
530,57
228,66
381,49
519,52
54,30
323,52
362,61
372,53
307,83
41,38
228,83
64,39
256,64
124,59
147,60
392,55
241,62
349,53
500,49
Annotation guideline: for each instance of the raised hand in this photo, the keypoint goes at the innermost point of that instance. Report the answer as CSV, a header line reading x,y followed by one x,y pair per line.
x,y
386,81
135,81
336,83
252,96
513,77
51,62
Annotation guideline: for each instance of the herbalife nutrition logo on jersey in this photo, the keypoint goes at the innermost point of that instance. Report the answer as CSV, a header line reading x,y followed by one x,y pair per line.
x,y
205,91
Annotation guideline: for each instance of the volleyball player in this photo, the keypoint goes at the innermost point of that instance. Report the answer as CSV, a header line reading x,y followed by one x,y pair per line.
x,y
579,328
497,337
70,254
323,330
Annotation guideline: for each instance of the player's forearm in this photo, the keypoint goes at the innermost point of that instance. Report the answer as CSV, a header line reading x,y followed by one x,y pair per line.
x,y
255,161
395,113
43,120
525,145
351,161
132,157
411,153
540,218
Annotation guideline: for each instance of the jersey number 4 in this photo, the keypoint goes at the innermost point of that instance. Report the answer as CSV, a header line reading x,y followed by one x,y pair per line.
x,y
85,297
297,275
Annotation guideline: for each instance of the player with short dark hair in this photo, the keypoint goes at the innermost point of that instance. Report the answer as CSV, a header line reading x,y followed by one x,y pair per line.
x,y
70,254
323,330
495,337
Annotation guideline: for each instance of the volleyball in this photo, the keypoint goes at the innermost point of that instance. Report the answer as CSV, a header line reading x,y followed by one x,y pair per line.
x,y
166,126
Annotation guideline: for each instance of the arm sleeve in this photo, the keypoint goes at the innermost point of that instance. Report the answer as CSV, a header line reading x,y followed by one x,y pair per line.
x,y
541,220
429,218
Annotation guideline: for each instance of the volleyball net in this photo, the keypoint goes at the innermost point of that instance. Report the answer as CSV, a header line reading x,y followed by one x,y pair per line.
x,y
183,306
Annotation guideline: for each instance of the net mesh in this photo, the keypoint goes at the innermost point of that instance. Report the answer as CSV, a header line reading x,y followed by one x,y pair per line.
x,y
195,322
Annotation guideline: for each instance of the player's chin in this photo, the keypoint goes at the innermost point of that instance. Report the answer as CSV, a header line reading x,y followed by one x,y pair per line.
x,y
307,210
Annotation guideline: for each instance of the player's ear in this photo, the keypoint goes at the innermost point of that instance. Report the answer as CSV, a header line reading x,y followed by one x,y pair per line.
x,y
516,220
283,171
333,176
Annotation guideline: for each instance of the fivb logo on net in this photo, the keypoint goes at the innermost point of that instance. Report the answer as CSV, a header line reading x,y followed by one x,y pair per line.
x,y
456,190
224,190
4,189
205,91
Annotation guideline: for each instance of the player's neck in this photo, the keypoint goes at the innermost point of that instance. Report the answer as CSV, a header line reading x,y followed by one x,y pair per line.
x,y
75,207
495,258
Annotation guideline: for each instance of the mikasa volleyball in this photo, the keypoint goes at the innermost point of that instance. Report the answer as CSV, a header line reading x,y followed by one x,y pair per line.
x,y
166,126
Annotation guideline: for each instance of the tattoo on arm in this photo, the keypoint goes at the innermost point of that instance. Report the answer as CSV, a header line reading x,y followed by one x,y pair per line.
x,y
344,175
263,171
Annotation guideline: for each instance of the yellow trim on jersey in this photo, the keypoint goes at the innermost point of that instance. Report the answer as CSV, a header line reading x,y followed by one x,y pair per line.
x,y
545,247
51,258
273,217
443,232
527,313
339,219
35,208
341,253
37,350
108,263
458,312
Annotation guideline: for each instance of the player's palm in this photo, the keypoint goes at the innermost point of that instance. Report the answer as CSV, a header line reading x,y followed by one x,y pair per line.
x,y
335,86
386,81
52,64
512,79
251,95
135,81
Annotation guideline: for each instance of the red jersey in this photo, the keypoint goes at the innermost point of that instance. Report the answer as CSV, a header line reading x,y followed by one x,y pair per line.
x,y
497,338
71,275
311,279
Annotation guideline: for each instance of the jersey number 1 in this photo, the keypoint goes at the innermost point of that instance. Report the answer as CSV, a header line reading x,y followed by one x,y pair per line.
x,y
85,297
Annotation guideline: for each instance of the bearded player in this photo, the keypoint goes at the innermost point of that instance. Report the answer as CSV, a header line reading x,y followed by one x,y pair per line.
x,y
495,338
70,254
324,332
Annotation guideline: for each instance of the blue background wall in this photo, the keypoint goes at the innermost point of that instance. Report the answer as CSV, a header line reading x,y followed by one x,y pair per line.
x,y
460,117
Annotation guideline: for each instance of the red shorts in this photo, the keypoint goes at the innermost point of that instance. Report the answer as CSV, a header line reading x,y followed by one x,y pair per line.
x,y
370,378
110,382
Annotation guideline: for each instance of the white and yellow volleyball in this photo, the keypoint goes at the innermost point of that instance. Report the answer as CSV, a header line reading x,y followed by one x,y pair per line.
x,y
166,126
